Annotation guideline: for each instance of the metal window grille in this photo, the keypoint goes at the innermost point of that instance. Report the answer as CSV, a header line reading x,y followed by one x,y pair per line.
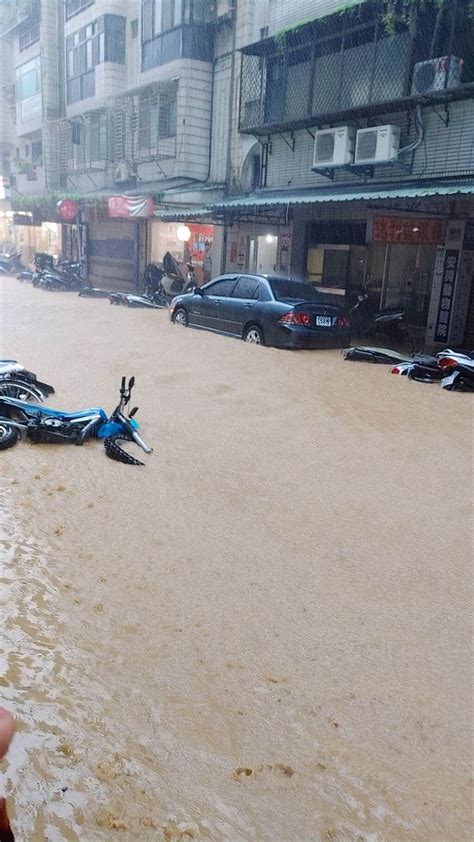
x,y
145,125
341,72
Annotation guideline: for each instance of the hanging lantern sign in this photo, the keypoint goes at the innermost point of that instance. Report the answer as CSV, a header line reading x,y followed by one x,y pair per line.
x,y
183,233
66,210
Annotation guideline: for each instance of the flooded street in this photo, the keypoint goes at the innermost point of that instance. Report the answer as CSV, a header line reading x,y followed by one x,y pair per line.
x,y
265,633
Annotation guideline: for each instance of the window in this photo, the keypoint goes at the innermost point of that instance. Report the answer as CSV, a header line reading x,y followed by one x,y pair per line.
x,y
332,71
31,36
99,41
167,116
263,292
156,121
28,90
134,28
223,287
245,287
73,7
160,16
37,152
89,140
284,289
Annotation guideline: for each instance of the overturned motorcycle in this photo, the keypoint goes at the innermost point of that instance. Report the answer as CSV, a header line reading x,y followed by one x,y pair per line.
x,y
42,424
17,382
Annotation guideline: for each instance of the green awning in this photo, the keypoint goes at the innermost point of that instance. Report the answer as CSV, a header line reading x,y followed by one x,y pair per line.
x,y
366,194
254,202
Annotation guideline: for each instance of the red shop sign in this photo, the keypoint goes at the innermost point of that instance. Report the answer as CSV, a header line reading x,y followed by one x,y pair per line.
x,y
130,206
399,229
67,210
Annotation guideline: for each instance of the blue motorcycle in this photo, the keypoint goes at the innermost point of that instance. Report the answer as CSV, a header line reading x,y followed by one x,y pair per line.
x,y
42,424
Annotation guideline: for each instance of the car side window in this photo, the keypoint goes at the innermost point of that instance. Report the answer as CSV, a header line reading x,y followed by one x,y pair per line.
x,y
263,293
223,287
245,287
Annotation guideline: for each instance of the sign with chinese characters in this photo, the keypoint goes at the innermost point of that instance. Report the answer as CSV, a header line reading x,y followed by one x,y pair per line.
x,y
130,207
450,269
67,210
398,229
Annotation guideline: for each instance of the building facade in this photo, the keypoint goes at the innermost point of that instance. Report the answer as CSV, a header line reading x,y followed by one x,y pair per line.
x,y
352,155
313,137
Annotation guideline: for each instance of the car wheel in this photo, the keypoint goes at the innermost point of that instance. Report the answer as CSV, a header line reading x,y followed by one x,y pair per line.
x,y
180,317
254,335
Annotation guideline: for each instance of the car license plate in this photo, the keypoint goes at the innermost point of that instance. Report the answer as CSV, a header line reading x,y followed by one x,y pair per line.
x,y
323,321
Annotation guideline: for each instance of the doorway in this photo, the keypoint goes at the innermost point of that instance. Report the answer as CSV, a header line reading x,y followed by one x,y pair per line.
x,y
261,254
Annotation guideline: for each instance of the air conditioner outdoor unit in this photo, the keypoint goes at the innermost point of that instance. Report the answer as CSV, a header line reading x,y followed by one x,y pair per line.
x,y
333,147
437,74
377,144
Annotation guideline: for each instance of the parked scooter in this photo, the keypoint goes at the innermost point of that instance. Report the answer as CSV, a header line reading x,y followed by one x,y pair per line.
x,y
161,286
42,424
62,275
367,321
17,382
154,295
10,262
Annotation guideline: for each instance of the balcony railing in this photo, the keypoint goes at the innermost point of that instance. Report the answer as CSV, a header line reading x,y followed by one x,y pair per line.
x,y
331,69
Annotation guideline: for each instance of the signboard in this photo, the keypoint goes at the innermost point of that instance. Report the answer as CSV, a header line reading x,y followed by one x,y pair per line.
x,y
200,235
452,297
130,207
398,229
450,269
67,210
23,219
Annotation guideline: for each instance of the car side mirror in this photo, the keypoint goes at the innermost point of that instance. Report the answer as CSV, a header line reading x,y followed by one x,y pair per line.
x,y
198,291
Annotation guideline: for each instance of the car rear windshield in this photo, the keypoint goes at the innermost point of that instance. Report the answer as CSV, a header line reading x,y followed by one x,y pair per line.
x,y
284,289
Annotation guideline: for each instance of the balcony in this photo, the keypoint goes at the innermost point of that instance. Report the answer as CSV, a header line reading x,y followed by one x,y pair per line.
x,y
338,68
17,15
194,41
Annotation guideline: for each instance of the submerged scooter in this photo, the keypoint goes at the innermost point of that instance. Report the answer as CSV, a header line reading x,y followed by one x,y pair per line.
x,y
42,424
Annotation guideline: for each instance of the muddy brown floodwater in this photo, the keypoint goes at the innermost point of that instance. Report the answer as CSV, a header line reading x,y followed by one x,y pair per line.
x,y
265,633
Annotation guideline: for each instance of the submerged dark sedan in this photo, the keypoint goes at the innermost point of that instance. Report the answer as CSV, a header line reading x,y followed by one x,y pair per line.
x,y
265,310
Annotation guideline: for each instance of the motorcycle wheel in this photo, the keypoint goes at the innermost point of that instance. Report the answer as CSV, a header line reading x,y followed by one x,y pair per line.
x,y
21,391
114,451
8,435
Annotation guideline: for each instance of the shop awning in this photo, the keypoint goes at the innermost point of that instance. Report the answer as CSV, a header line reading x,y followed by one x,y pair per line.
x,y
267,201
366,194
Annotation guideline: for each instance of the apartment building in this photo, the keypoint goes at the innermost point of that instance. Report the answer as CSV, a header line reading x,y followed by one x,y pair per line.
x,y
134,85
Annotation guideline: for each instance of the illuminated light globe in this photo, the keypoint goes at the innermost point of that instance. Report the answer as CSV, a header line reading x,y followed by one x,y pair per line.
x,y
183,233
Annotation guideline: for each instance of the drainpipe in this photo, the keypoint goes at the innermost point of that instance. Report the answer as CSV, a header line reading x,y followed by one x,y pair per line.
x,y
228,169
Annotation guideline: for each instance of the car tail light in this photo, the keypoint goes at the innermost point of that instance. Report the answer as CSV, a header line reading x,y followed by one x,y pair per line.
x,y
294,317
343,321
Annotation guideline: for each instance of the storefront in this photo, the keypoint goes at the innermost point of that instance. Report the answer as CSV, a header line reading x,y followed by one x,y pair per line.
x,y
26,233
189,243
259,247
